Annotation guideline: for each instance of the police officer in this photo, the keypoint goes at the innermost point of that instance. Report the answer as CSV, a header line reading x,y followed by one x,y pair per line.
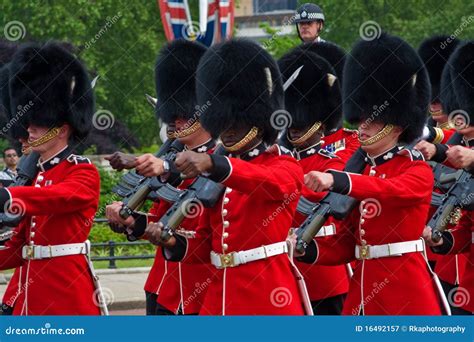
x,y
309,19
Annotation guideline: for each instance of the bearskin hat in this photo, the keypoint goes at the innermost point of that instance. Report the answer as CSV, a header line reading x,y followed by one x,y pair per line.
x,y
243,85
175,79
15,124
447,96
51,87
385,80
315,95
462,75
333,53
435,52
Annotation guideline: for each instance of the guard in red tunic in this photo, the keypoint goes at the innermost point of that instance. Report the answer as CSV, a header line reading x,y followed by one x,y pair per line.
x,y
244,234
391,276
51,241
338,140
455,241
171,287
314,103
435,57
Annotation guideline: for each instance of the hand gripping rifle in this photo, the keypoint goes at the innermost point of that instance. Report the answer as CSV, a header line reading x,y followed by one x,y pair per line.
x,y
458,196
333,204
133,198
202,193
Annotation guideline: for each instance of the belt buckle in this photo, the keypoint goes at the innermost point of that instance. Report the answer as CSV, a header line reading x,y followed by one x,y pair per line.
x,y
227,260
30,252
364,252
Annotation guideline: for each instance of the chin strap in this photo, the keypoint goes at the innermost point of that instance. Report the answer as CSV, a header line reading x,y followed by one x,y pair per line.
x,y
309,133
379,136
49,135
252,134
185,132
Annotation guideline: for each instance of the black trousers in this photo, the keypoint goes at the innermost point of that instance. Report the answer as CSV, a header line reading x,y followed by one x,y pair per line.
x,y
328,306
6,310
153,308
449,290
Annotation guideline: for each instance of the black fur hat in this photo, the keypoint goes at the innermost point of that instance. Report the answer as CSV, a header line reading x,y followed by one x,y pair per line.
x,y
243,85
50,87
7,50
315,95
15,124
385,80
462,75
175,79
435,52
331,52
447,96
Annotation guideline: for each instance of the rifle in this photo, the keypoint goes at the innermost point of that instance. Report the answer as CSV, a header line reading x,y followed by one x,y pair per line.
x,y
459,195
202,193
333,204
135,189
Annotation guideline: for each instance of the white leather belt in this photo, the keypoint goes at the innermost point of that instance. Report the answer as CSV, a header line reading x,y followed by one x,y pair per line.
x,y
36,252
327,230
472,238
388,250
239,258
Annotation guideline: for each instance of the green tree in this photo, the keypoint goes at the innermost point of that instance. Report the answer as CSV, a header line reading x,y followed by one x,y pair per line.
x,y
117,39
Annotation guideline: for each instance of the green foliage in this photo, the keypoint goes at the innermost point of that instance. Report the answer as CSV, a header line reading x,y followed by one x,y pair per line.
x,y
101,233
118,40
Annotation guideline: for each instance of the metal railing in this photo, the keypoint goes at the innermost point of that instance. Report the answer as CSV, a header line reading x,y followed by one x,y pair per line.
x,y
111,245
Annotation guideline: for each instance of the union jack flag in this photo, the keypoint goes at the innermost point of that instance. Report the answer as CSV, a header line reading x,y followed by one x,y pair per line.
x,y
178,23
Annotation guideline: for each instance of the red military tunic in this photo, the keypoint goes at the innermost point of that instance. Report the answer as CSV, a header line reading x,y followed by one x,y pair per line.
x,y
461,240
395,193
257,209
450,268
179,285
343,143
58,209
321,281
